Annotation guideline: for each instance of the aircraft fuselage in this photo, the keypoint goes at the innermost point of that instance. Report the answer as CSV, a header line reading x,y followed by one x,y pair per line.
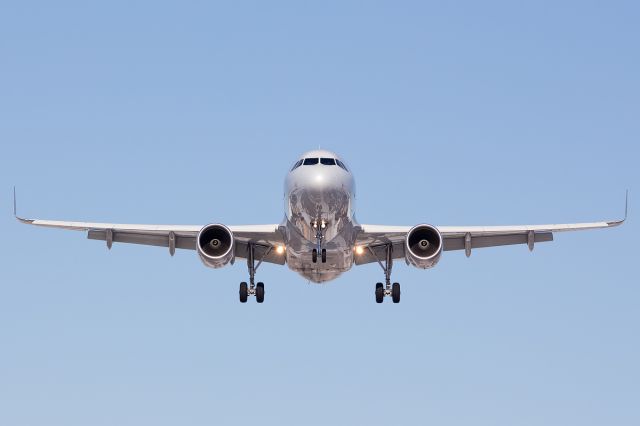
x,y
320,215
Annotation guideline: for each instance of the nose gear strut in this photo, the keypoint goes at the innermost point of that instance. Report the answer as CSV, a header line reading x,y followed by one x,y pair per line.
x,y
319,238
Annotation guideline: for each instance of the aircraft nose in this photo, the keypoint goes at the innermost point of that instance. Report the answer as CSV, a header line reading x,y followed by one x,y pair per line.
x,y
326,178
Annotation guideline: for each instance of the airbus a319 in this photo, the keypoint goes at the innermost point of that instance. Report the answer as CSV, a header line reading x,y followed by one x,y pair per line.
x,y
319,237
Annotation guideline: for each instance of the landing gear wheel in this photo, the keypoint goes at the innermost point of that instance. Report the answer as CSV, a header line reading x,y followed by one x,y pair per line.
x,y
379,293
395,293
244,292
260,292
324,255
314,256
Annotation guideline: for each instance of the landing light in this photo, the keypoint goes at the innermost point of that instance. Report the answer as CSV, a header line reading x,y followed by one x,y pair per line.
x,y
280,249
359,250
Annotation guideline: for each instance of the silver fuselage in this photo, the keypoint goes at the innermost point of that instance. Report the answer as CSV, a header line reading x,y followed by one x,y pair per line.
x,y
320,198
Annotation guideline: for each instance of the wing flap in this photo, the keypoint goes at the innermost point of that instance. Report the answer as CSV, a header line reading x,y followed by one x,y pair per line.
x,y
148,239
458,243
377,253
263,250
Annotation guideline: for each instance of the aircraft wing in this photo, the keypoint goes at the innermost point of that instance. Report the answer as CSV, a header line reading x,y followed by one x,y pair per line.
x,y
264,237
375,238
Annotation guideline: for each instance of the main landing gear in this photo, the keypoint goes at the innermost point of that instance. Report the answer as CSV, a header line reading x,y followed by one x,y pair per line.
x,y
387,289
252,289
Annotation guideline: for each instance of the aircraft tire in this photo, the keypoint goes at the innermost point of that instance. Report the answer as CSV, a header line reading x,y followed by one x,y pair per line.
x,y
244,292
260,292
395,293
379,293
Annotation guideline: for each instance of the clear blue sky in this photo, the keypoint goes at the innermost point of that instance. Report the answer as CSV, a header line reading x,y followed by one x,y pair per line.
x,y
192,112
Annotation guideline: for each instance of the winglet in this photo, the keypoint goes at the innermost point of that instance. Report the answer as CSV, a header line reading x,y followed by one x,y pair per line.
x,y
626,211
15,209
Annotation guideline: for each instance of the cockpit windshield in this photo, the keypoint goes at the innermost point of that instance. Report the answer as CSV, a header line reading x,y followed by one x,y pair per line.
x,y
298,164
328,161
310,161
324,161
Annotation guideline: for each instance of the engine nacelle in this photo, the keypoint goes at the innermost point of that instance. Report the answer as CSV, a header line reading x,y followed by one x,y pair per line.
x,y
215,245
423,246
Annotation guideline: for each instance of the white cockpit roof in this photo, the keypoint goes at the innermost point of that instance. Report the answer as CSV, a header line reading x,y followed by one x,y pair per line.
x,y
319,153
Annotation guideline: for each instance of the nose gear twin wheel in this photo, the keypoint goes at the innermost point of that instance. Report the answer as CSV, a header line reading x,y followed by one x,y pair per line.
x,y
323,255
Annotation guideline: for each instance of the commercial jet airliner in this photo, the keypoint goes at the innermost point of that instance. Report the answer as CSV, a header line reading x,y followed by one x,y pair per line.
x,y
319,237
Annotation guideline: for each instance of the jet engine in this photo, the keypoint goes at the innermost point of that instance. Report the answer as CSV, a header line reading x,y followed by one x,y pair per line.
x,y
423,246
215,245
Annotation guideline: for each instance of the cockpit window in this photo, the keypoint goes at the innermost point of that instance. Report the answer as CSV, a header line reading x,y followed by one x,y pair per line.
x,y
328,161
310,161
341,164
298,164
324,161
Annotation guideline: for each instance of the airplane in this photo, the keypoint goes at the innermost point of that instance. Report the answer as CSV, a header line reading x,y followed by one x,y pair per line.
x,y
319,237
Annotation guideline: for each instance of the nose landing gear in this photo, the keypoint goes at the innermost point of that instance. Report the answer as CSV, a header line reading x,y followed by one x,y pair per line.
x,y
387,289
319,237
